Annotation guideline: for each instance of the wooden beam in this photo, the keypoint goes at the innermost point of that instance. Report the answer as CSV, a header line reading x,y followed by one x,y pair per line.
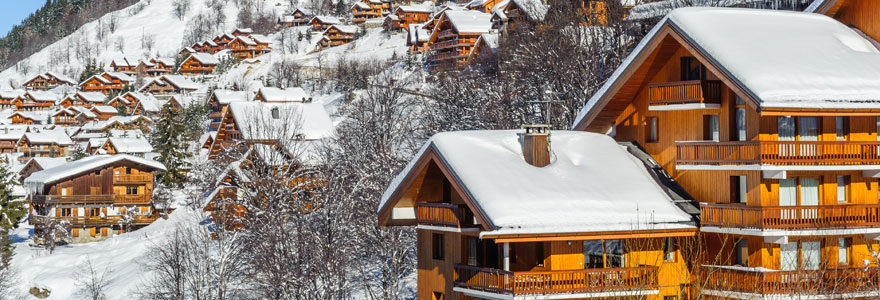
x,y
587,236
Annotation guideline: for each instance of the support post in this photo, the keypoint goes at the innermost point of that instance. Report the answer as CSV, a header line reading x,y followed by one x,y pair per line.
x,y
507,257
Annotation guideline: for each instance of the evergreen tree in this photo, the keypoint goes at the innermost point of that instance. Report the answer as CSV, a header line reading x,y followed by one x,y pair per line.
x,y
169,140
78,153
12,209
90,70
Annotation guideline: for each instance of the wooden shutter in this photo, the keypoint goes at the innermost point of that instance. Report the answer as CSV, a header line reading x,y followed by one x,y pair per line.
x,y
103,231
57,212
74,232
92,231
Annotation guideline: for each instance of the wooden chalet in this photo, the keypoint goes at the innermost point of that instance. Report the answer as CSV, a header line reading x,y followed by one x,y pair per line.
x,y
29,117
486,46
506,15
219,100
362,11
36,100
485,6
406,15
223,40
65,117
37,164
497,218
100,196
417,38
46,81
43,143
454,36
186,51
7,98
246,123
321,23
299,17
131,145
242,32
779,151
104,112
155,67
198,64
338,35
169,84
249,46
124,65
107,82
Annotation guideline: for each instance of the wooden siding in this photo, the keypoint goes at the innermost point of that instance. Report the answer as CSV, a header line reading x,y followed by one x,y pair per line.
x,y
862,14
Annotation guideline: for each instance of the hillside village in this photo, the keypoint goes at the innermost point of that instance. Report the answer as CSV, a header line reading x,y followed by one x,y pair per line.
x,y
484,149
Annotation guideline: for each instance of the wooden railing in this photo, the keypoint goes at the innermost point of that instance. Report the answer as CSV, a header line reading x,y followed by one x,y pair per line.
x,y
444,214
790,217
684,92
454,42
778,152
802,282
133,178
445,33
87,199
92,221
555,282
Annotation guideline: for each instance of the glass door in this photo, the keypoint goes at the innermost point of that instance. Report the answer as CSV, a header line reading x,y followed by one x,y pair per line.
x,y
788,197
809,132
786,133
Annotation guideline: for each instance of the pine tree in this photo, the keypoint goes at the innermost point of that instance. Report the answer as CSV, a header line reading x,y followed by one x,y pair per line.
x,y
12,209
91,69
169,140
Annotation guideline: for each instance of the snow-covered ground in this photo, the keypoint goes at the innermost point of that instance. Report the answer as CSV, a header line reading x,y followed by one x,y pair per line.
x,y
121,256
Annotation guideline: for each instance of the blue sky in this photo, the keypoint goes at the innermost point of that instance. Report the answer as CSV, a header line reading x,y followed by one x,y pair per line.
x,y
14,11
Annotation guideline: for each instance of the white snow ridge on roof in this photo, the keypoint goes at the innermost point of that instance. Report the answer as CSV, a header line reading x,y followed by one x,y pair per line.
x,y
592,184
788,59
37,180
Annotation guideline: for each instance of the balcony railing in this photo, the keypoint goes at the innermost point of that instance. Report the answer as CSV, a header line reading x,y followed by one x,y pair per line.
x,y
454,43
91,199
778,153
803,282
685,92
92,221
132,178
555,282
444,214
790,217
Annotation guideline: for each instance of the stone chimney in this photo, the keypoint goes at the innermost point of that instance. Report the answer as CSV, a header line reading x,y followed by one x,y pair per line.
x,y
536,144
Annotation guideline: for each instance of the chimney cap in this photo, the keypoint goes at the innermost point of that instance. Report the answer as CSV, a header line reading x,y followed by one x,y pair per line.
x,y
537,129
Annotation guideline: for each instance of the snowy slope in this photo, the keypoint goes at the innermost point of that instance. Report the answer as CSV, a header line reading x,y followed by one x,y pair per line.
x,y
156,18
121,255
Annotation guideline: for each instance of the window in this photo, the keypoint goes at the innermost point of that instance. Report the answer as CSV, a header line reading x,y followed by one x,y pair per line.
x,y
447,191
614,257
786,128
740,119
843,251
669,248
131,190
809,128
653,129
437,245
691,69
808,256
742,252
275,113
98,172
472,251
877,122
842,182
66,212
539,253
603,254
841,126
94,212
436,296
710,128
738,189
127,170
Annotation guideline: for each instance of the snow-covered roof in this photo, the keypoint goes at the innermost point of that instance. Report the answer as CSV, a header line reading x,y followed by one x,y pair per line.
x,y
120,76
47,162
273,94
123,62
46,136
129,119
92,97
592,184
61,77
246,40
469,20
11,94
105,109
36,115
345,28
534,9
261,39
227,96
327,19
164,60
781,59
417,32
205,58
44,96
256,120
416,8
150,104
181,82
361,5
85,111
130,144
37,180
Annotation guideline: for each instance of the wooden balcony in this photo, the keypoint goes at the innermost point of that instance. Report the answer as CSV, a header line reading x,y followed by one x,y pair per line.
x,y
92,221
778,153
133,178
555,282
454,43
444,214
446,33
816,282
685,92
91,199
790,217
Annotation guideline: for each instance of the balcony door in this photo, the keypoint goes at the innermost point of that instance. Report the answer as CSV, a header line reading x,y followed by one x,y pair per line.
x,y
805,194
809,131
804,254
786,133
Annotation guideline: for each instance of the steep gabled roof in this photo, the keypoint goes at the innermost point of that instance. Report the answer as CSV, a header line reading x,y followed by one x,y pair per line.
x,y
469,21
205,58
773,59
592,184
227,96
273,94
256,121
326,19
38,180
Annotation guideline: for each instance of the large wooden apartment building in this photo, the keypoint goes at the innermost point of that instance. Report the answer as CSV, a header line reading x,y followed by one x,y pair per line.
x,y
454,35
99,196
770,120
510,215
